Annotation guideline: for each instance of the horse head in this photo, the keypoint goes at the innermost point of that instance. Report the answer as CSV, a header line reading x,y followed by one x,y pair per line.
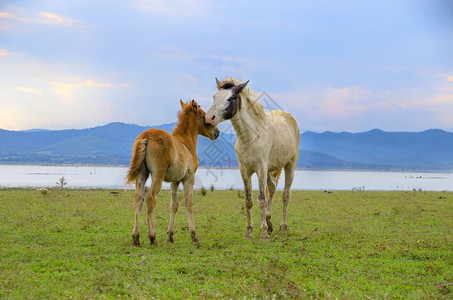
x,y
204,128
227,101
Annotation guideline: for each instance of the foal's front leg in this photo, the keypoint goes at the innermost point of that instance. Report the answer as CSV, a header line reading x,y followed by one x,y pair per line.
x,y
188,197
173,209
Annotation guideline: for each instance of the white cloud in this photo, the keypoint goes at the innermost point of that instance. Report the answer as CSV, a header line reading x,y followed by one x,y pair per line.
x,y
50,18
3,52
29,90
18,14
172,8
356,108
68,91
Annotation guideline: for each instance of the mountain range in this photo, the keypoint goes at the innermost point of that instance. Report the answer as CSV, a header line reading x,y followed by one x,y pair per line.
x,y
111,144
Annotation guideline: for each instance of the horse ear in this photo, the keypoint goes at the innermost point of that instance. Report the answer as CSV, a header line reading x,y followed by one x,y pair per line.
x,y
218,83
194,105
239,88
182,104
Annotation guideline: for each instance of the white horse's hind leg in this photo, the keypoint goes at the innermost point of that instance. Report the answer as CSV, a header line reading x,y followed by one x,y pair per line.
x,y
271,186
138,202
247,180
173,209
289,176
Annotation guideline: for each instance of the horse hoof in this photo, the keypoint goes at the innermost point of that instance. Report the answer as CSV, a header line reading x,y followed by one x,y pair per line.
x,y
170,238
283,228
264,238
247,236
153,241
270,228
194,239
136,242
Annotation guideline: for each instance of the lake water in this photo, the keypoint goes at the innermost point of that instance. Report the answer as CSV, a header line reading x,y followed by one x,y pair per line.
x,y
113,178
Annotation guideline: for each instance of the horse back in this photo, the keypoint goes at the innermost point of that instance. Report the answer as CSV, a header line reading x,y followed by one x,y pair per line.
x,y
159,150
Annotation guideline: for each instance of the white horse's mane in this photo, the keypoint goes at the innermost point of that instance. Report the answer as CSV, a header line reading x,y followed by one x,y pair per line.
x,y
249,95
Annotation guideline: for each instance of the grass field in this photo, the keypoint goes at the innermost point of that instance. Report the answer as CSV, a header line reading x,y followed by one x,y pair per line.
x,y
77,243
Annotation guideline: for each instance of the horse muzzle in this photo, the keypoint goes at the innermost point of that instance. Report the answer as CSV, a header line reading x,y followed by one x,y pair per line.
x,y
216,134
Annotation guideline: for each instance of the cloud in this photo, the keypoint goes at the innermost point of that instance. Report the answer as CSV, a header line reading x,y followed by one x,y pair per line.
x,y
442,100
3,52
172,8
449,78
50,18
29,90
68,91
14,13
92,83
355,108
19,14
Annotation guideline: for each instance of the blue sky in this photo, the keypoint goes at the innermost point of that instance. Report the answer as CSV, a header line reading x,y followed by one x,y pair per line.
x,y
335,65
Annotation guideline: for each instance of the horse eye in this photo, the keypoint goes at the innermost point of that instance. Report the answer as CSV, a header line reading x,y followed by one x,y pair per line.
x,y
231,98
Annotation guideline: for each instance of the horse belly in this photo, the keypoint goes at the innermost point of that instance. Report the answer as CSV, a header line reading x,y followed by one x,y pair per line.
x,y
179,167
174,176
285,141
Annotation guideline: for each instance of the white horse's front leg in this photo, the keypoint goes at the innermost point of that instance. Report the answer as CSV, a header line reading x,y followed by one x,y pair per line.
x,y
247,180
173,209
262,201
188,197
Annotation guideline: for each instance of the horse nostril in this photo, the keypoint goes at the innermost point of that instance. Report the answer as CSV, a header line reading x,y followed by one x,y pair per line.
x,y
213,117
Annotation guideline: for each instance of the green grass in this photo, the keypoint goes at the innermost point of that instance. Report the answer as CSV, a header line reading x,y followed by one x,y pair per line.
x,y
77,243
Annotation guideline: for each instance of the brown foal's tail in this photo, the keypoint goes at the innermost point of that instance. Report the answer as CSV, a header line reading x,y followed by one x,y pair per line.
x,y
138,159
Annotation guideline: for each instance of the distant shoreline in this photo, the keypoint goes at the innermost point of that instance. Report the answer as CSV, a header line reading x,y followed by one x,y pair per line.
x,y
235,168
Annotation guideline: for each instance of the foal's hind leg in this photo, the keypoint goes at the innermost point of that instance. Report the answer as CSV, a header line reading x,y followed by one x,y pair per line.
x,y
156,184
289,176
138,202
173,209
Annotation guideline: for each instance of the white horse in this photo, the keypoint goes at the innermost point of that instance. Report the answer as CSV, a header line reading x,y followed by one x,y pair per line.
x,y
266,142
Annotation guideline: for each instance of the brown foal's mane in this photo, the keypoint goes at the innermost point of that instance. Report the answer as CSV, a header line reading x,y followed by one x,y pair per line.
x,y
186,127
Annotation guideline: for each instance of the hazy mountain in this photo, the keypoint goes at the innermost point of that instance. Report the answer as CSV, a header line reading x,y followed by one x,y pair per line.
x,y
112,145
430,149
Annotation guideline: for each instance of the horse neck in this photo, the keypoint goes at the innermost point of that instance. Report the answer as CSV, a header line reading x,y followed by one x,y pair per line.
x,y
186,130
246,124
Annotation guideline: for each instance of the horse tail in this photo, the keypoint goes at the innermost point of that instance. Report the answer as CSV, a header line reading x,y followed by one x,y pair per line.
x,y
138,159
276,175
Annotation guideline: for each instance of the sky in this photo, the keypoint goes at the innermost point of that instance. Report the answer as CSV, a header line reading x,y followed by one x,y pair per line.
x,y
334,65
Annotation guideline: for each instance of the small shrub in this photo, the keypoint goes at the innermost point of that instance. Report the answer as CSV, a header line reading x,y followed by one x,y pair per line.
x,y
240,194
62,182
203,191
43,192
212,188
